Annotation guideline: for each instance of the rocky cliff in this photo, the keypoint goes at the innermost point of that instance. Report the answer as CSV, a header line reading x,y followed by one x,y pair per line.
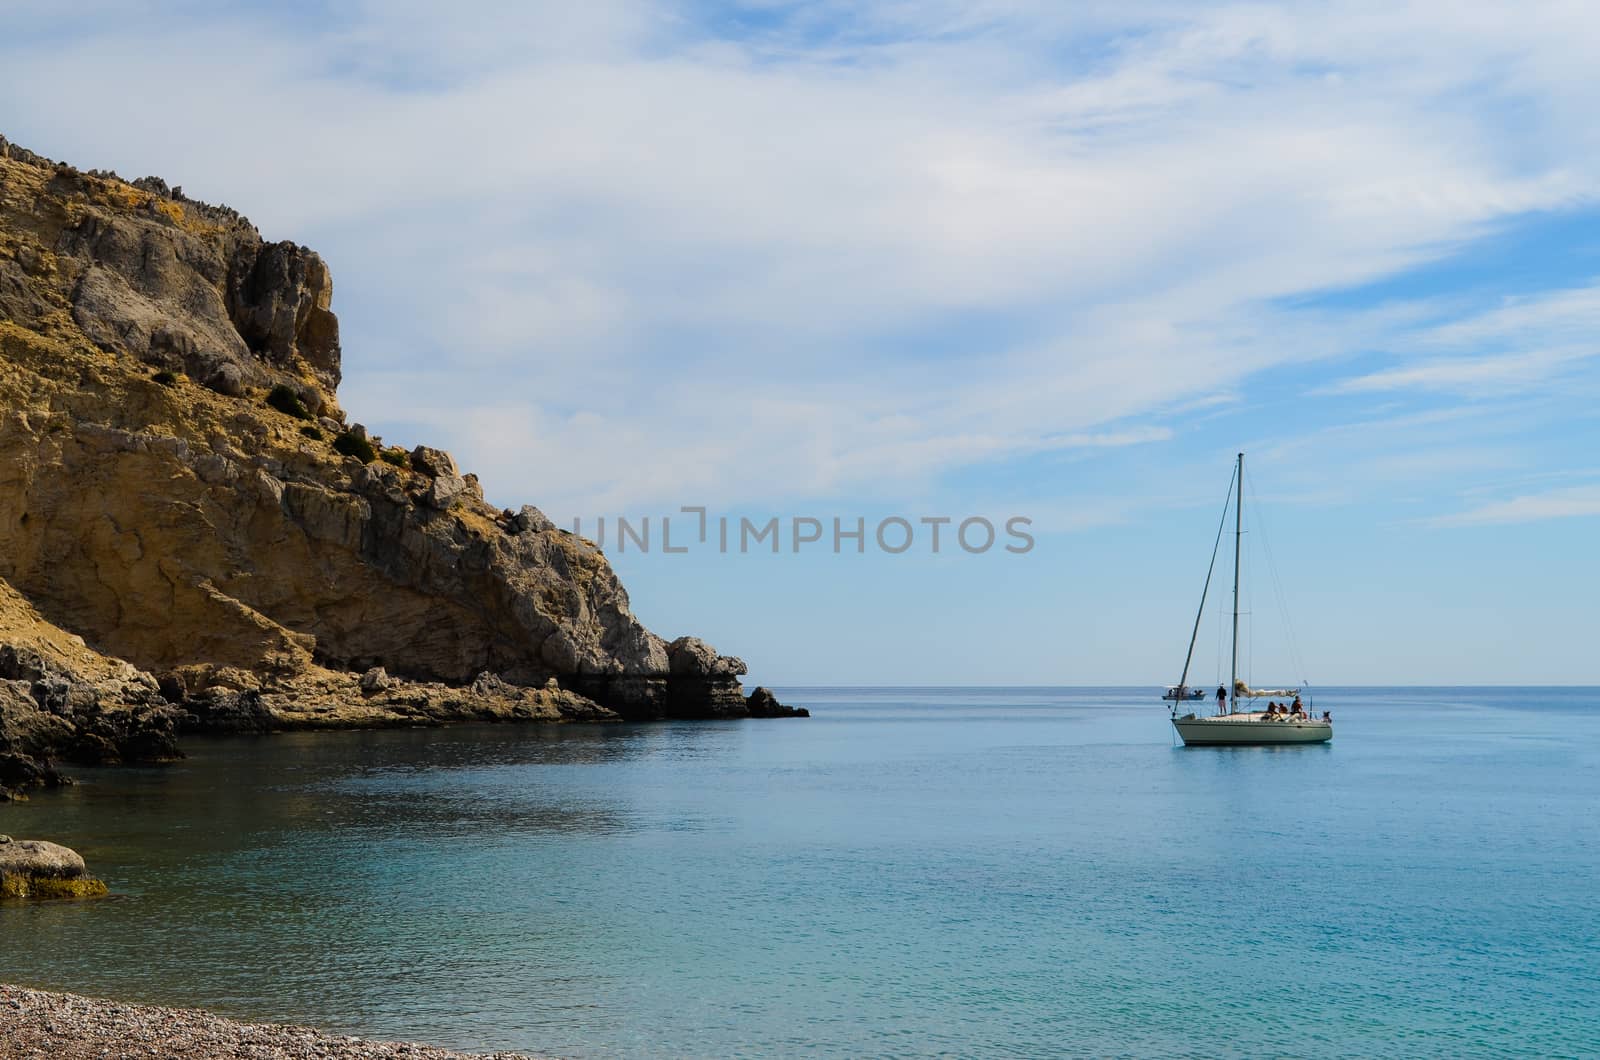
x,y
180,489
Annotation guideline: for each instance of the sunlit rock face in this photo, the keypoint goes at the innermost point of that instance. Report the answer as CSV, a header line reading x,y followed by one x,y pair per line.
x,y
180,488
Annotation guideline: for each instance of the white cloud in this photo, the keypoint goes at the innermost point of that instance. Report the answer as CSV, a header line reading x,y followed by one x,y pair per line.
x,y
613,257
1571,502
1544,336
1469,374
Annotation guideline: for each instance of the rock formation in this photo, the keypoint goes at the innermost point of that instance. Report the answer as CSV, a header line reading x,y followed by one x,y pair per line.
x,y
180,488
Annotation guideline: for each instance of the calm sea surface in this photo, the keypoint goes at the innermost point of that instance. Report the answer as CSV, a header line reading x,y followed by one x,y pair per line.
x,y
983,872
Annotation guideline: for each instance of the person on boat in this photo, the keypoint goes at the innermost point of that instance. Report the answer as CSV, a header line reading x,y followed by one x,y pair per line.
x,y
1297,708
1222,699
1327,716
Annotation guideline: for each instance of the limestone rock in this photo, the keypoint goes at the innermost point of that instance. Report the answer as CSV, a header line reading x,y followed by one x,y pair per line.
x,y
59,699
374,681
37,857
278,297
36,868
224,710
531,520
443,492
434,462
198,533
693,657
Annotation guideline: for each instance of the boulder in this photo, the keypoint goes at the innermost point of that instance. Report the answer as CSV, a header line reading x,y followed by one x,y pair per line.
x,y
35,868
443,492
433,462
36,857
531,520
763,704
693,657
374,681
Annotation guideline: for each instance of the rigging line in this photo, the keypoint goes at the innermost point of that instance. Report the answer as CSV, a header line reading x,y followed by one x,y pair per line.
x,y
1195,633
1295,659
1220,627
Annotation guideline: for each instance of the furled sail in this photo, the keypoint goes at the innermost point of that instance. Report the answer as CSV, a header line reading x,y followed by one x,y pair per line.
x,y
1244,691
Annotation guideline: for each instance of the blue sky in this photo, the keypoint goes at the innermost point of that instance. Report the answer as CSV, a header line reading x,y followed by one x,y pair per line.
x,y
988,258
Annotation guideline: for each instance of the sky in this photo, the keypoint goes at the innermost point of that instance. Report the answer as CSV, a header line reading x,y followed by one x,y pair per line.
x,y
993,259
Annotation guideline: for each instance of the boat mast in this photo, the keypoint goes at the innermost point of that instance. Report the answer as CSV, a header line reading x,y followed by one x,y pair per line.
x,y
1238,535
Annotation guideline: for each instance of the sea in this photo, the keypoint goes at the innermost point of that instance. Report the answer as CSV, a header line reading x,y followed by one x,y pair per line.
x,y
973,872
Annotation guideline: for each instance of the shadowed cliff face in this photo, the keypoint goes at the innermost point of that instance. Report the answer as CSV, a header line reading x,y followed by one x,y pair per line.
x,y
171,488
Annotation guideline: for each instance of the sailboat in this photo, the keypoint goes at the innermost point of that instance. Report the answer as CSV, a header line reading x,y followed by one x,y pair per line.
x,y
1232,726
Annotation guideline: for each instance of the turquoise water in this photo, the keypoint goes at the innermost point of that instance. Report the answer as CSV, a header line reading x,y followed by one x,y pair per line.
x,y
996,872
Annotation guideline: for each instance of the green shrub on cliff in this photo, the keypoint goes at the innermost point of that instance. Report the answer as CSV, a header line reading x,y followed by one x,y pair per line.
x,y
314,433
287,401
360,448
396,456
166,378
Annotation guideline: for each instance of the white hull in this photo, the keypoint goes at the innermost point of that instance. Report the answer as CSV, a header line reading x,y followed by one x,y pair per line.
x,y
1249,730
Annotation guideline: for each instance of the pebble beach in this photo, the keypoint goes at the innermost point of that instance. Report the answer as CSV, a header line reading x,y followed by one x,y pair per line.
x,y
40,1025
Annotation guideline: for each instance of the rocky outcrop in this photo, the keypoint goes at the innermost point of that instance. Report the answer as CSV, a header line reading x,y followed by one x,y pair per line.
x,y
179,486
763,704
34,868
61,701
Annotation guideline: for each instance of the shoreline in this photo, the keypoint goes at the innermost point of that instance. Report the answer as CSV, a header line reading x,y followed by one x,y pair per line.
x,y
40,1024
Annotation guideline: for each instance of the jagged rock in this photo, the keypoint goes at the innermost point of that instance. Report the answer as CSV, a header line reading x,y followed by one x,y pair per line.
x,y
374,681
59,699
531,520
19,771
278,296
435,462
693,657
221,710
488,684
443,492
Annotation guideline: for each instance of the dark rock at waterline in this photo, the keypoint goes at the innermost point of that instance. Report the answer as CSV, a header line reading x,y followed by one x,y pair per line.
x,y
763,704
222,710
48,710
20,771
